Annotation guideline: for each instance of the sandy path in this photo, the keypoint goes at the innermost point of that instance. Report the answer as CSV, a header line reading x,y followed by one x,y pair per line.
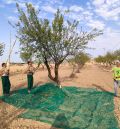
x,y
91,76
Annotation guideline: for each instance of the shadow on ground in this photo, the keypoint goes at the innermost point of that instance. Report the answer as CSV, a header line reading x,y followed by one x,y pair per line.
x,y
61,122
100,87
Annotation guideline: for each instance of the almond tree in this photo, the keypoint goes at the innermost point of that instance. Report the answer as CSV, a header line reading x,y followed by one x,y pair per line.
x,y
26,54
77,62
53,41
81,59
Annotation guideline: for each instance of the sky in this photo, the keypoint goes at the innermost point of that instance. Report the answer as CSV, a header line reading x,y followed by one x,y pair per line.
x,y
101,14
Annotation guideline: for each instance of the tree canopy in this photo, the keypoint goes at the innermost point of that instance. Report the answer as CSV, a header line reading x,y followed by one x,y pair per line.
x,y
78,61
26,53
52,41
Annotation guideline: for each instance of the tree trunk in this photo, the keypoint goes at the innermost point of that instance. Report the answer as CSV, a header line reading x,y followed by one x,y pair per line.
x,y
72,75
78,68
49,70
56,77
56,74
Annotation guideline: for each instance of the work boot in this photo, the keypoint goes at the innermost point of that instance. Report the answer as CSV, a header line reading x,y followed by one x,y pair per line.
x,y
115,95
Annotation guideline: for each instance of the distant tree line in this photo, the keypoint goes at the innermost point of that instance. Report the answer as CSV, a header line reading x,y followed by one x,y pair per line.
x,y
109,58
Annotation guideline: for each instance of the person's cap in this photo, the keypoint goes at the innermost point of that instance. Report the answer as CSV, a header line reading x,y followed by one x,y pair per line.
x,y
117,61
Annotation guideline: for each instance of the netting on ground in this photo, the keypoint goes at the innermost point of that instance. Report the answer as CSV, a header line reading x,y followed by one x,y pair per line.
x,y
67,108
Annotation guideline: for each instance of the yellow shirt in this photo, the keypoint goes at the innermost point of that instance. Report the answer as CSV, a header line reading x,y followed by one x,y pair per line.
x,y
116,73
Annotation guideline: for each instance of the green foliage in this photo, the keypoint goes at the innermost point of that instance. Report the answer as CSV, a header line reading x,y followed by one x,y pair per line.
x,y
109,57
71,61
25,56
82,58
26,53
100,59
117,54
78,61
51,41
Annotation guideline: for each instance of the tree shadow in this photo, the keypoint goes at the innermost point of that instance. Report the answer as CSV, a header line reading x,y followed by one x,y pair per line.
x,y
68,78
99,87
24,86
102,89
37,84
60,122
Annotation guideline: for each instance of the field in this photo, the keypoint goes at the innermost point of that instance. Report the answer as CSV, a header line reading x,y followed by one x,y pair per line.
x,y
93,81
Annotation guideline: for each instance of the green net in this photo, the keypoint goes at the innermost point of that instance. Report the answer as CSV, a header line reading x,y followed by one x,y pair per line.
x,y
67,108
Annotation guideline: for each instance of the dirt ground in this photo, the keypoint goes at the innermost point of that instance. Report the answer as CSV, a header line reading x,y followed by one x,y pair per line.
x,y
91,76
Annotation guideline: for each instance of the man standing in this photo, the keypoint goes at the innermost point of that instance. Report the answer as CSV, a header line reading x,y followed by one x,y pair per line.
x,y
116,77
4,73
30,71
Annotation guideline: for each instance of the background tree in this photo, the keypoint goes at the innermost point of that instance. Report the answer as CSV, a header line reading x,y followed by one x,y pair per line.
x,y
100,59
117,54
80,60
52,41
108,59
72,63
77,62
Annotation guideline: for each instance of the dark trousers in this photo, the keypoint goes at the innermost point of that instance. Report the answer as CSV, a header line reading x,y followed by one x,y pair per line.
x,y
116,86
6,84
30,81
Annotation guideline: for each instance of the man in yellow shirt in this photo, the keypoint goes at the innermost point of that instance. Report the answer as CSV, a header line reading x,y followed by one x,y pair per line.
x,y
116,76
